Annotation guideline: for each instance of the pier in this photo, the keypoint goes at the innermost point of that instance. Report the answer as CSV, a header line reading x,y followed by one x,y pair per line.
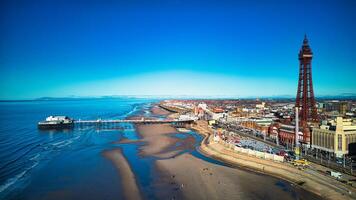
x,y
134,121
116,123
62,122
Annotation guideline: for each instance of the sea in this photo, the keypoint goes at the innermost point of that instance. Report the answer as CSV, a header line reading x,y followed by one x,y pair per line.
x,y
68,164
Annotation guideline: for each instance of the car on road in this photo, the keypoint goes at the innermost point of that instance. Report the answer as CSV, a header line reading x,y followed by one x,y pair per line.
x,y
339,161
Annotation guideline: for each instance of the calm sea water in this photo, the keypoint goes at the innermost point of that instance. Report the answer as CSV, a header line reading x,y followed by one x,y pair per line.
x,y
69,164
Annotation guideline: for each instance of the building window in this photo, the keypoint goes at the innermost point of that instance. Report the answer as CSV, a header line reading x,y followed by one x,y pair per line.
x,y
339,141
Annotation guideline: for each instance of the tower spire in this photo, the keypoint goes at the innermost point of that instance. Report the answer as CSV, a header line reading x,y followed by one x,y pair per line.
x,y
305,41
305,100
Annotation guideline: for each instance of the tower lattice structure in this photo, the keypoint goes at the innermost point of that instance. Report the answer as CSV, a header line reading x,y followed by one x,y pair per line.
x,y
305,99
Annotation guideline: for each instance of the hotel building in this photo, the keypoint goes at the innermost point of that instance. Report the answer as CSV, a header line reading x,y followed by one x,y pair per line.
x,y
335,136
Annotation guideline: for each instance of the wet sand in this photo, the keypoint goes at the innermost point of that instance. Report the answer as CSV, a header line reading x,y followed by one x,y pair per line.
x,y
193,178
183,176
157,138
180,175
156,110
130,188
157,142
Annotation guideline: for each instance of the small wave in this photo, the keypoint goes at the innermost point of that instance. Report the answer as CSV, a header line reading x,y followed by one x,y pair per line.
x,y
19,157
23,144
35,157
132,111
11,181
65,142
14,179
58,143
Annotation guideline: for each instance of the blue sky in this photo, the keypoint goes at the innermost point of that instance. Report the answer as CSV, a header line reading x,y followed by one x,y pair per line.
x,y
234,48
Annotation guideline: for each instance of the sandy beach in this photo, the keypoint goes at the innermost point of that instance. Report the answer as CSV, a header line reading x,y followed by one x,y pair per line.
x,y
156,110
193,178
183,176
180,175
157,138
129,186
160,142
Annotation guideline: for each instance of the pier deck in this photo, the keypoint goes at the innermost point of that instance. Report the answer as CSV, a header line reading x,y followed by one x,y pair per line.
x,y
109,123
134,121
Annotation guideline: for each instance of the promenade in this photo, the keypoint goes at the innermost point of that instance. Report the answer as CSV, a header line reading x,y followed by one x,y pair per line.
x,y
309,179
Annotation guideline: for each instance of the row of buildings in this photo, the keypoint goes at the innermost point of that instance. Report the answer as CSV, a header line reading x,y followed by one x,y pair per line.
x,y
335,134
327,126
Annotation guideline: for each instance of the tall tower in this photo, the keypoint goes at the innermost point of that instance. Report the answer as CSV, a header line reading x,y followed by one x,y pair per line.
x,y
305,100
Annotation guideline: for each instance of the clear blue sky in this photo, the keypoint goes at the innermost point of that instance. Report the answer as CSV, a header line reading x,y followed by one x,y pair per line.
x,y
242,48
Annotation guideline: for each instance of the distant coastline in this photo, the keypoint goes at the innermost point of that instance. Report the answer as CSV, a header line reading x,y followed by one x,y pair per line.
x,y
345,96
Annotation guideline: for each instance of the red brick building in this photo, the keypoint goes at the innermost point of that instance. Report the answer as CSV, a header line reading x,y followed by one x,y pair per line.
x,y
285,133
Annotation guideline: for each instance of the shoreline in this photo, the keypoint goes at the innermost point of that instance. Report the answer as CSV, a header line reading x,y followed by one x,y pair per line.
x,y
182,175
155,141
129,187
185,176
278,170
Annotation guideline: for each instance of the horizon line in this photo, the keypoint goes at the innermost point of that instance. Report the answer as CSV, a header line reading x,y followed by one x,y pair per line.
x,y
74,97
